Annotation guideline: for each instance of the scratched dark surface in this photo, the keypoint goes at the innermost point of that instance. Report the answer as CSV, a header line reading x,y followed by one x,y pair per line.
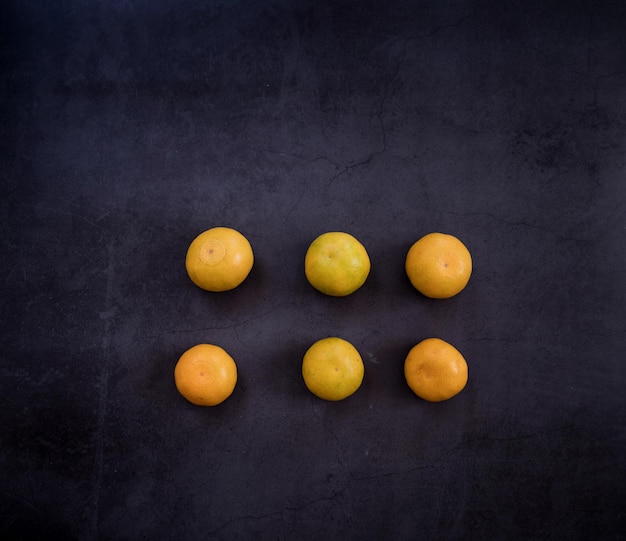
x,y
130,127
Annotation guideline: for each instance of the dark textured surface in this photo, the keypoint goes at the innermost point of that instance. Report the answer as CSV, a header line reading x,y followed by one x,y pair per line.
x,y
130,127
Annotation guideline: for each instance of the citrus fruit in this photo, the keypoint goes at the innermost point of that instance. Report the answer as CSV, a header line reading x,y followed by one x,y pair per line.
x,y
435,370
219,259
438,265
332,369
336,264
205,375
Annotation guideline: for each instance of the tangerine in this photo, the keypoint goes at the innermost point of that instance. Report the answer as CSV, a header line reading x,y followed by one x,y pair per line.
x,y
219,259
336,264
205,375
435,370
439,265
332,369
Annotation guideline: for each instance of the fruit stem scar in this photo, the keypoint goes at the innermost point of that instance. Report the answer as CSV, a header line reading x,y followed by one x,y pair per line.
x,y
212,251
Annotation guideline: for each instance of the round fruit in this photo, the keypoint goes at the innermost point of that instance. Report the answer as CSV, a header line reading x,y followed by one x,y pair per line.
x,y
332,369
205,375
336,264
439,265
219,259
435,370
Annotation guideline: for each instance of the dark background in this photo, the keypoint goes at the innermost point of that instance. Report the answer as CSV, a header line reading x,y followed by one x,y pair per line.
x,y
128,127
